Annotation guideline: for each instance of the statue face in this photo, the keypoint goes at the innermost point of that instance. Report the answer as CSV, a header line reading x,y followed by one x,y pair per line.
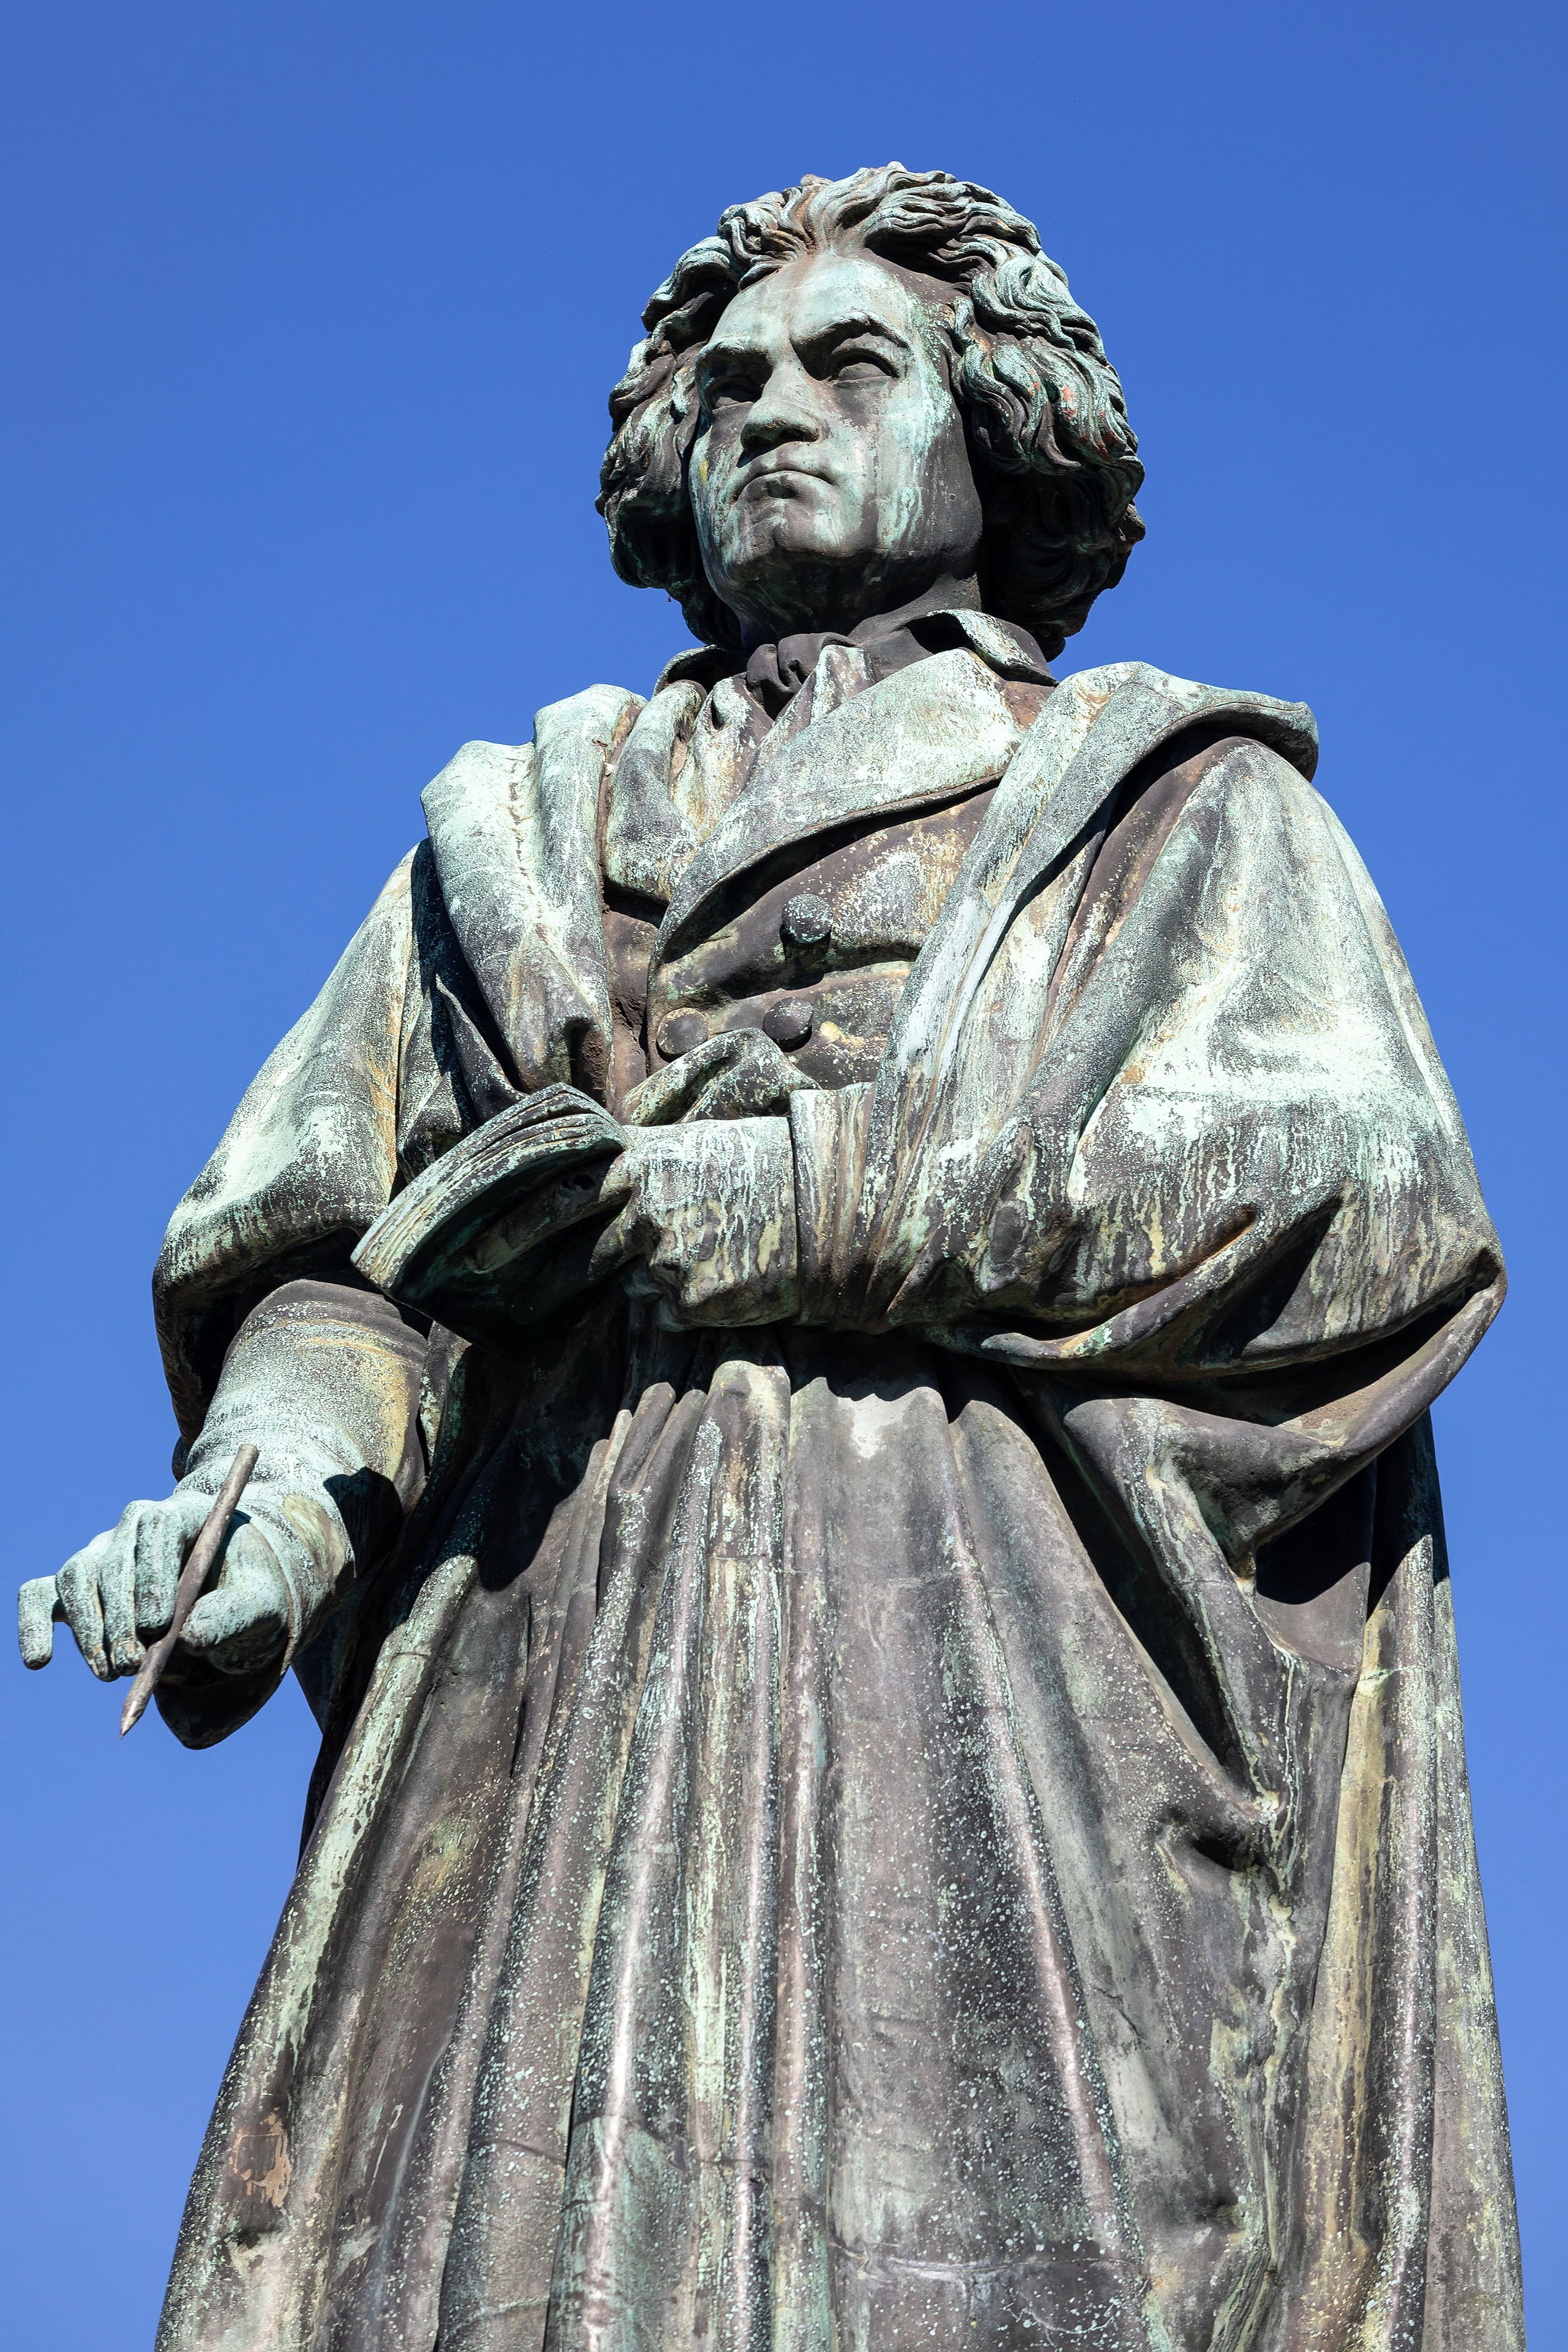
x,y
829,478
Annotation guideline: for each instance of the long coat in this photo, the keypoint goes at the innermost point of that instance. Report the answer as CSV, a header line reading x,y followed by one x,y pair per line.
x,y
937,1818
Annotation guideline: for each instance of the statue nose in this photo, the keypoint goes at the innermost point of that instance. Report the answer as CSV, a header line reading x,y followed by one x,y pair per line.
x,y
783,411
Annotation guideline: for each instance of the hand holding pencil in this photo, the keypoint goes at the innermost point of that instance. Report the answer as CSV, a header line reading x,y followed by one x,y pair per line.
x,y
135,1591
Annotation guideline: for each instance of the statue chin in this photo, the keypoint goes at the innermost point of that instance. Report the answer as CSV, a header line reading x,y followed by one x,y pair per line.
x,y
790,571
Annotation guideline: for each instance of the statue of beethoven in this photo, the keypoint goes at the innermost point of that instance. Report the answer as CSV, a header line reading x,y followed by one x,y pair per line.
x,y
892,1771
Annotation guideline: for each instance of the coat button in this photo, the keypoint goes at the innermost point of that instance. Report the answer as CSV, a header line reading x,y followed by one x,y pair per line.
x,y
679,1032
807,922
788,1023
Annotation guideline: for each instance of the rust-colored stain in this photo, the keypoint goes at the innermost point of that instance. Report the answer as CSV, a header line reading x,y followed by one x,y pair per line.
x,y
259,2162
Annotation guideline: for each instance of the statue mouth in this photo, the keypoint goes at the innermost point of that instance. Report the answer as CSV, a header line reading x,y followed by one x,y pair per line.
x,y
772,480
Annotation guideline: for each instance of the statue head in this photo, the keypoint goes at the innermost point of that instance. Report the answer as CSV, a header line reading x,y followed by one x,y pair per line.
x,y
862,393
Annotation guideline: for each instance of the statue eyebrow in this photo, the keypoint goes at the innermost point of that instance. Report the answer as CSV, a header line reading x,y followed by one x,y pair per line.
x,y
716,352
858,323
842,330
720,353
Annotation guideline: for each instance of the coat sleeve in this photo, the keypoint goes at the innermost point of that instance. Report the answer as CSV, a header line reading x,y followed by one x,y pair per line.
x,y
269,1337
309,1160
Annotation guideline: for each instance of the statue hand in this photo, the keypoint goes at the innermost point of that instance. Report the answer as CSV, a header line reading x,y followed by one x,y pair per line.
x,y
739,1073
705,1219
118,1593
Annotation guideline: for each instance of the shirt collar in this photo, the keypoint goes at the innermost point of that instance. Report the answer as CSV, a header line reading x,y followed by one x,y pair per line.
x,y
1006,648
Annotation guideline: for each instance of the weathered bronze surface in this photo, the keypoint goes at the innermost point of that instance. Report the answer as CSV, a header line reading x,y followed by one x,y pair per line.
x,y
839,1297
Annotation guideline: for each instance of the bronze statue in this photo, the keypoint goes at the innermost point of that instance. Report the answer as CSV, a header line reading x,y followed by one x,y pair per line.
x,y
838,1298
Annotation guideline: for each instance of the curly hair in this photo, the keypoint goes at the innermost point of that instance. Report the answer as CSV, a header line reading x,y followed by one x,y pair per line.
x,y
1053,453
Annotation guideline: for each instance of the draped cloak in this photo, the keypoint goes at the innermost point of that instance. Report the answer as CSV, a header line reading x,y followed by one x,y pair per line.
x,y
938,1819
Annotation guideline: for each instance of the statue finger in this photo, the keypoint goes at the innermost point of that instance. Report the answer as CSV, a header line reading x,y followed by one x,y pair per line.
x,y
739,1073
80,1603
618,1184
757,1083
666,1096
36,1610
625,1238
164,1537
117,1590
244,1620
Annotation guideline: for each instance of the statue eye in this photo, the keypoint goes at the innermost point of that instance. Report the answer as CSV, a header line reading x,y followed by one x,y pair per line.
x,y
856,364
721,392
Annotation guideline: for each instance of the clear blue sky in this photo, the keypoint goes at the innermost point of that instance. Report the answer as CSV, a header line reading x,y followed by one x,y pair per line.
x,y
311,313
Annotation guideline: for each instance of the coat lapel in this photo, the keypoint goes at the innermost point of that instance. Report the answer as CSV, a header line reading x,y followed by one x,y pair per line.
x,y
927,734
514,832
